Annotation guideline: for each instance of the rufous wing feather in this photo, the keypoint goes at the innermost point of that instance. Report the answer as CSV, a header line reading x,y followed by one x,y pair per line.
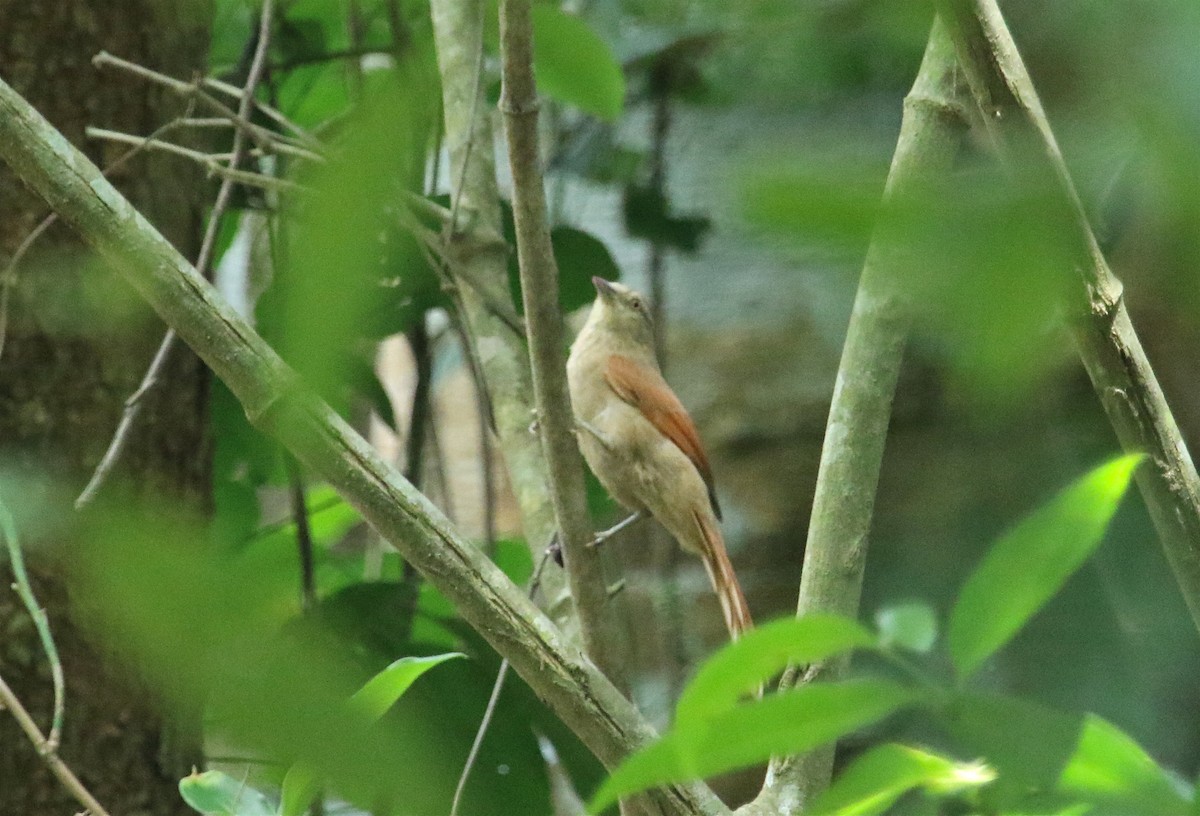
x,y
645,389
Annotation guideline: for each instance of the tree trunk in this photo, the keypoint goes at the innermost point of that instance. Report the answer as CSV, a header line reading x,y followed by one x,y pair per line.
x,y
77,344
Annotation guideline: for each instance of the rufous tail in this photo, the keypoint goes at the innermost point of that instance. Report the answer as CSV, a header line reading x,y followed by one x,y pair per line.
x,y
720,573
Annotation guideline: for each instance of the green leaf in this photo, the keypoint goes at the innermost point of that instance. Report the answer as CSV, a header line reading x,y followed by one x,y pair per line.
x,y
580,256
1029,744
302,784
383,690
884,774
739,668
788,723
1029,564
911,626
301,787
217,794
575,66
1111,767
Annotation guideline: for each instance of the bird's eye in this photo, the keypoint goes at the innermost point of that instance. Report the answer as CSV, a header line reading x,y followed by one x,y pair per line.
x,y
636,303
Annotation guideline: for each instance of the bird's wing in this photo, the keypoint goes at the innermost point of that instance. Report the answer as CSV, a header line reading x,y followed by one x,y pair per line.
x,y
645,389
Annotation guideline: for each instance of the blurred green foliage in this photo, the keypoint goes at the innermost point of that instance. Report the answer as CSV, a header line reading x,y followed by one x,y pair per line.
x,y
1020,754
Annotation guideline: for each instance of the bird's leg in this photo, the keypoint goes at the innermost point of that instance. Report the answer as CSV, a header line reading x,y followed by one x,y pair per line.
x,y
596,433
605,535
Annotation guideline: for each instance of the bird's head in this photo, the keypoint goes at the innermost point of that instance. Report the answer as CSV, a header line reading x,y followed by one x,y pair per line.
x,y
623,312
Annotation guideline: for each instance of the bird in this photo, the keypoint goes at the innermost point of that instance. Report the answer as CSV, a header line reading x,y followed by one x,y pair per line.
x,y
639,440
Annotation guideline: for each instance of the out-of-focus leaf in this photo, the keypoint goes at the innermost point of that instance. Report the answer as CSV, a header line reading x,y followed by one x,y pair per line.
x,y
1029,564
788,723
366,384
323,299
740,667
199,631
881,776
312,95
580,256
648,216
1110,768
1028,743
214,793
575,66
232,28
911,626
302,784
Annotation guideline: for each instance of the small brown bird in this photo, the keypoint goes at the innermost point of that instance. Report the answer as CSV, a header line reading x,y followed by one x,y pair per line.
x,y
640,442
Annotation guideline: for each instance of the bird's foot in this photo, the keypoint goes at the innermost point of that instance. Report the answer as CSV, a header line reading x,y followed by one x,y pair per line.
x,y
605,535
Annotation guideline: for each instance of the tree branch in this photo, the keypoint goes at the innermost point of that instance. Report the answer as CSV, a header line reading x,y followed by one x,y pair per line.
x,y
543,319
277,403
480,269
1097,316
835,555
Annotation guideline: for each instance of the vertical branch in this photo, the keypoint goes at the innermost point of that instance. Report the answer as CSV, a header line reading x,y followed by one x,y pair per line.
x,y
1097,316
478,267
543,317
835,554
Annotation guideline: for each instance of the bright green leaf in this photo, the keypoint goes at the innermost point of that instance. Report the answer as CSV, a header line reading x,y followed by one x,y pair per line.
x,y
884,774
911,626
575,66
739,668
301,787
302,784
383,690
788,723
217,794
1029,564
1109,766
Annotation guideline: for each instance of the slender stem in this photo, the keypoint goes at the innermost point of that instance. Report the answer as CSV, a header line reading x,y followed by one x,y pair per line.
x,y
8,529
1097,316
304,539
544,327
835,554
59,768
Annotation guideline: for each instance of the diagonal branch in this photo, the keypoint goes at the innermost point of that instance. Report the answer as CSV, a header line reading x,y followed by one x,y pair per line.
x,y
1097,316
835,554
276,402
543,316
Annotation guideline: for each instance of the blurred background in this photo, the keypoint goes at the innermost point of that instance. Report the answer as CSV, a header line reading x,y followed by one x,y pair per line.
x,y
736,182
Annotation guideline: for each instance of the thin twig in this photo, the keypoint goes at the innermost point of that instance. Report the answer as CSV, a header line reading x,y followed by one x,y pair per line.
x,y
489,712
265,137
8,528
133,405
59,768
207,159
456,199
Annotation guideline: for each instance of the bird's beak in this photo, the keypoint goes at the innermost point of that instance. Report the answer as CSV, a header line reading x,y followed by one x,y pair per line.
x,y
603,288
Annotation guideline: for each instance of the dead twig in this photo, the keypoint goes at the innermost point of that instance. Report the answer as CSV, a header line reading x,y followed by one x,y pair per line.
x,y
133,405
